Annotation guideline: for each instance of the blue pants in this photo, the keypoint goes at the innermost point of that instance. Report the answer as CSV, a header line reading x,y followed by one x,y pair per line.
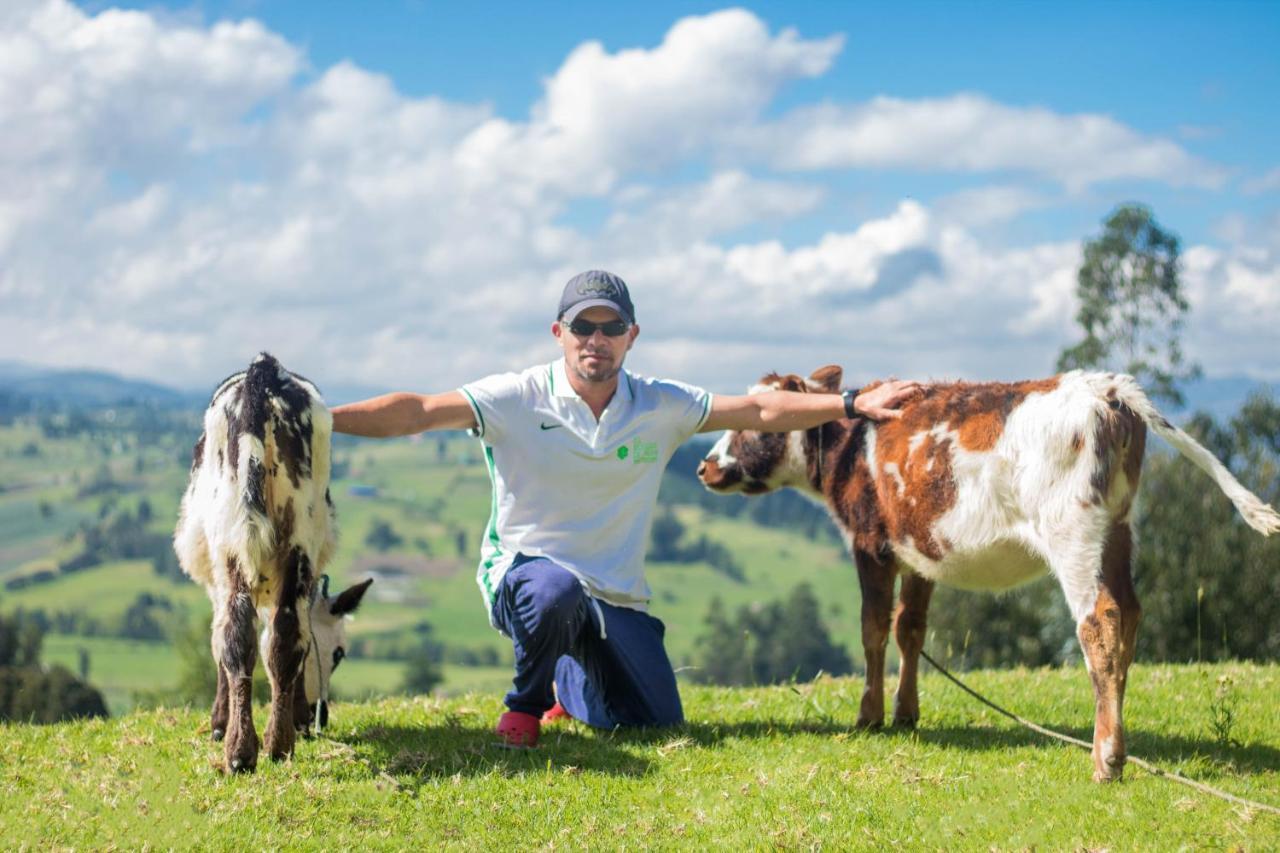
x,y
622,680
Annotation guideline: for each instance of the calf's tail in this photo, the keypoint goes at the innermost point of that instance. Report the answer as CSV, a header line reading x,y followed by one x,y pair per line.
x,y
1258,515
261,384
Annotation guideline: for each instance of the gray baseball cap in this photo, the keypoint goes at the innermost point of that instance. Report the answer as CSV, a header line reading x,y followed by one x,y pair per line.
x,y
596,288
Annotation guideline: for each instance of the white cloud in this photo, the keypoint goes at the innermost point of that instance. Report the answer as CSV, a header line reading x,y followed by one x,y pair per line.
x,y
724,202
971,133
175,197
642,110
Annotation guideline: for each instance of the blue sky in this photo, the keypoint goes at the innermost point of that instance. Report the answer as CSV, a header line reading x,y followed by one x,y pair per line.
x,y
373,162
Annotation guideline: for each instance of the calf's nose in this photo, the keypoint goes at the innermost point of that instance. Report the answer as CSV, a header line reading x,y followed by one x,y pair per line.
x,y
702,468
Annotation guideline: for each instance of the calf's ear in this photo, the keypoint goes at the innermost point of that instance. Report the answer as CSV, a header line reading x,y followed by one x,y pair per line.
x,y
826,378
349,599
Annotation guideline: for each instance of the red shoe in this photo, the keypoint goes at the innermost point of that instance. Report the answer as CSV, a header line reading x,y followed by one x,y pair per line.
x,y
555,712
518,730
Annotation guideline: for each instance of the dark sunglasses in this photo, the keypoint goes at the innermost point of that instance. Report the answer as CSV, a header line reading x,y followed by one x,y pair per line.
x,y
611,328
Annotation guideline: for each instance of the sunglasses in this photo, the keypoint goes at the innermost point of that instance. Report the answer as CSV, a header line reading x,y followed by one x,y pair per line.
x,y
611,328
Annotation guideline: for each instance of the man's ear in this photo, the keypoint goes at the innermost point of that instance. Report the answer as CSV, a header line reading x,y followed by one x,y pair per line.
x,y
349,599
826,378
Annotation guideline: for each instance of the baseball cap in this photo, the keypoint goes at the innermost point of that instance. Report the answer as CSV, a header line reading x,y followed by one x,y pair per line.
x,y
596,288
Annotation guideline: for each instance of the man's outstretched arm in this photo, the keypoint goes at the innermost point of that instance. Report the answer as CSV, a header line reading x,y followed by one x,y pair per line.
x,y
403,413
783,411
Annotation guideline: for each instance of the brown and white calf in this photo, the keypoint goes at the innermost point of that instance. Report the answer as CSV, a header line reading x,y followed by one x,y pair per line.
x,y
983,486
255,528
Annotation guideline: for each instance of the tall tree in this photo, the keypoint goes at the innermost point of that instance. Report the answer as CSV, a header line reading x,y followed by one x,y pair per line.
x,y
1131,304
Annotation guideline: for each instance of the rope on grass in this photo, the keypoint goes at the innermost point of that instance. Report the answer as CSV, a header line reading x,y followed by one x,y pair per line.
x,y
1171,775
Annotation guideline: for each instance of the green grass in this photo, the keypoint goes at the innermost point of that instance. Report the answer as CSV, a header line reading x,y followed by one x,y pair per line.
x,y
371,679
766,767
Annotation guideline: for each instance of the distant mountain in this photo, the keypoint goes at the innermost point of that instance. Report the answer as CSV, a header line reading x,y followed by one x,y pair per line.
x,y
22,383
88,388
1221,396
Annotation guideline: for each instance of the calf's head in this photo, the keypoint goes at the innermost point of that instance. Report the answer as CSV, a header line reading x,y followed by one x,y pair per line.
x,y
326,647
754,462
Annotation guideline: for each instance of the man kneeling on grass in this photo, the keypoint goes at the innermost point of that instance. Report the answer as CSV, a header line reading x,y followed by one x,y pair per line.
x,y
576,450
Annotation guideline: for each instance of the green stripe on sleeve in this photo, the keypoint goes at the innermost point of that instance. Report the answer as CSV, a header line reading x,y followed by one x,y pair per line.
x,y
475,407
706,410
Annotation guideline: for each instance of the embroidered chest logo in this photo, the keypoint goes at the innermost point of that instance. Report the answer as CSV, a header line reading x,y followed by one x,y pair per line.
x,y
639,451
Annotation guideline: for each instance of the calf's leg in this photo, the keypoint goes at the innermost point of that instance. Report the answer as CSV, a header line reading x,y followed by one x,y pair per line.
x,y
237,653
1108,635
301,710
286,649
909,630
875,577
218,716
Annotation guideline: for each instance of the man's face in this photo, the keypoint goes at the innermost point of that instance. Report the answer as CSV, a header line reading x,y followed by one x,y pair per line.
x,y
597,357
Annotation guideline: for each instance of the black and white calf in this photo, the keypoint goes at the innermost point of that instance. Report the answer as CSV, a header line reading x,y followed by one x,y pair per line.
x,y
255,528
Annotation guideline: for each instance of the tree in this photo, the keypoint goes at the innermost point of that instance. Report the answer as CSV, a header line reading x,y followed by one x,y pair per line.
x,y
769,643
32,693
803,641
664,537
720,649
1131,304
1209,585
1028,626
422,666
383,536
140,622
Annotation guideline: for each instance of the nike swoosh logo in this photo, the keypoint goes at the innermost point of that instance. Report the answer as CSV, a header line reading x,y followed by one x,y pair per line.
x,y
550,426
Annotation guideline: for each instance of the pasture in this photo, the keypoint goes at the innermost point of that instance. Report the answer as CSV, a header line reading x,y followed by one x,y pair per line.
x,y
778,766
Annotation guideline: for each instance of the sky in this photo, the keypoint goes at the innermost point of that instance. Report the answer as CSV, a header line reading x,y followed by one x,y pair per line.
x,y
391,195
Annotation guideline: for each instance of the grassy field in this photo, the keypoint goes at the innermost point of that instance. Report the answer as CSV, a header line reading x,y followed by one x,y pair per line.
x,y
764,767
119,668
123,669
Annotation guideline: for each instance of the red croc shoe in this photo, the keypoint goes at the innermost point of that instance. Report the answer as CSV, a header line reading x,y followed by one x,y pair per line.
x,y
555,712
517,730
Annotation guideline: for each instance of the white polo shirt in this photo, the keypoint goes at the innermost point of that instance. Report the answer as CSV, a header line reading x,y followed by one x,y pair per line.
x,y
579,492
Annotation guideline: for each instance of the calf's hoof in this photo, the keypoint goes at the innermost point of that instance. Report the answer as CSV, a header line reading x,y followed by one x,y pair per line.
x,y
218,735
870,723
279,750
1110,770
905,721
241,752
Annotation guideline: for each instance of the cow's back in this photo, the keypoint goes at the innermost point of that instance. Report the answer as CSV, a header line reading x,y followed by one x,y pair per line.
x,y
259,479
974,479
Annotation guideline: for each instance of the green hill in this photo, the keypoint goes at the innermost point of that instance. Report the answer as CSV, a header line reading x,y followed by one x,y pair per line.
x,y
71,481
767,767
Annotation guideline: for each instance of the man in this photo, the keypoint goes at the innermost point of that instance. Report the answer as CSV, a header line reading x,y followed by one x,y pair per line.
x,y
575,450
